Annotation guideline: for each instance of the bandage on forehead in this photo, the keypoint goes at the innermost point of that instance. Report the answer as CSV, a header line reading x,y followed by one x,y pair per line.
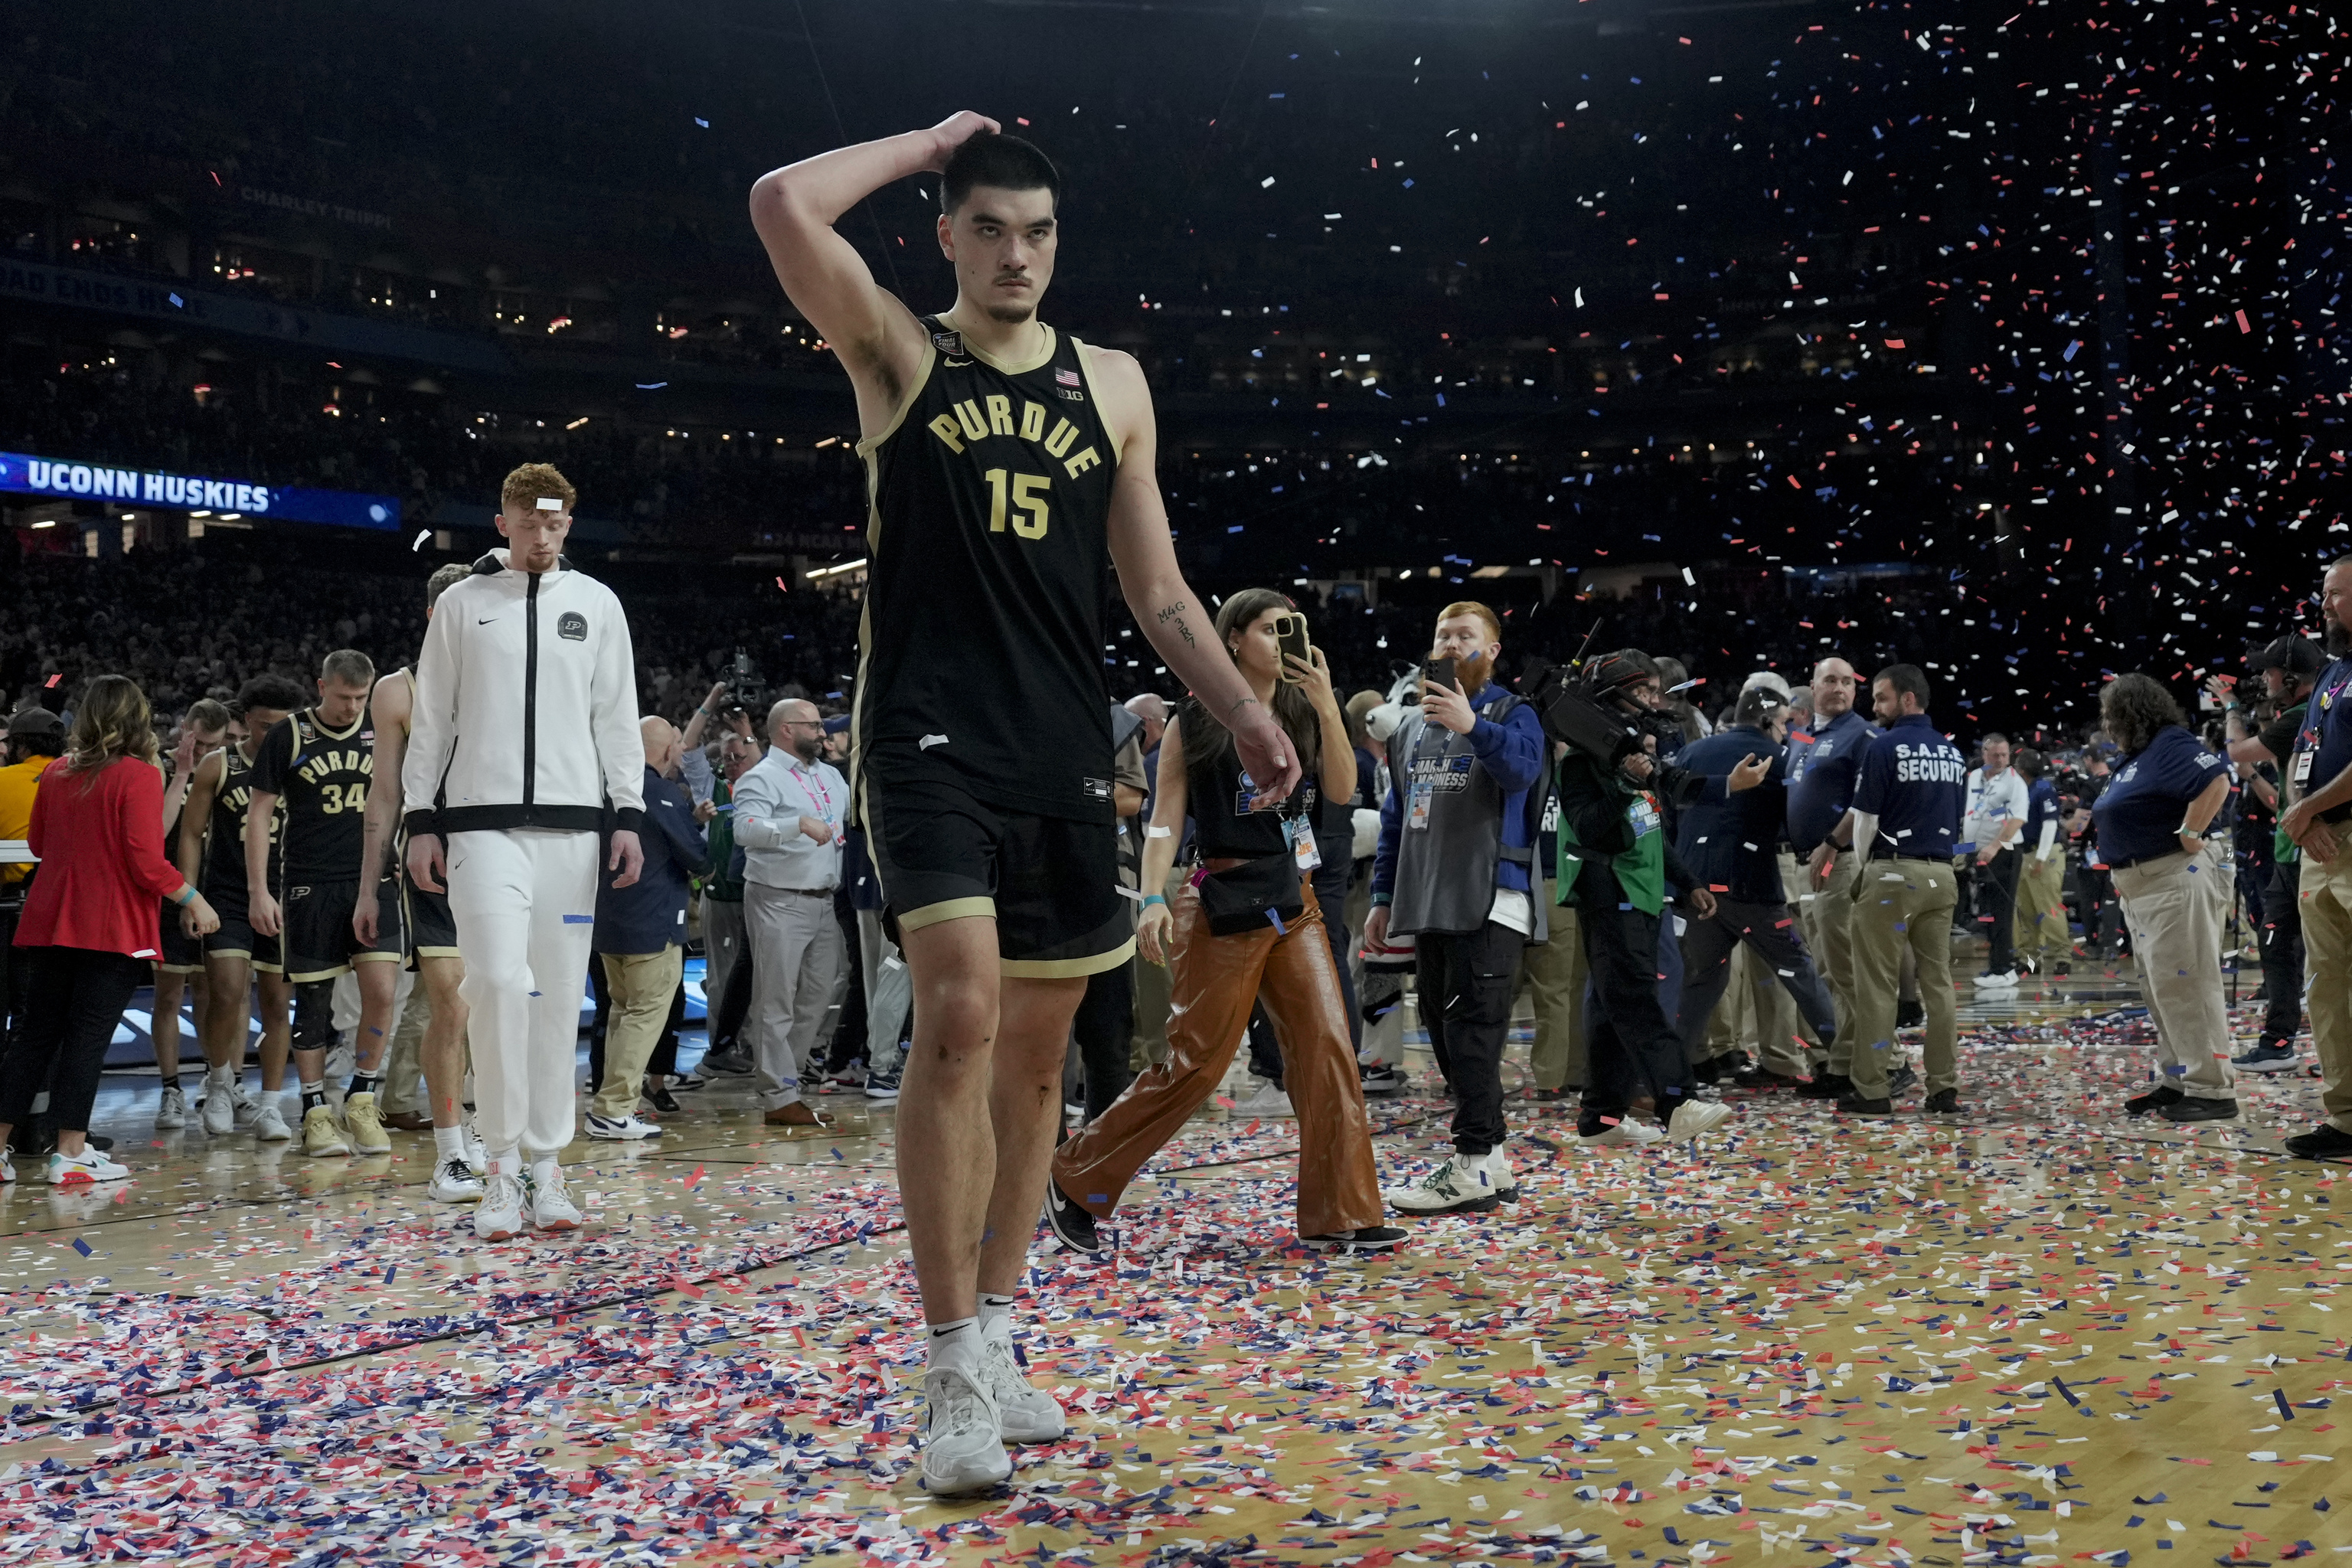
x,y
549,503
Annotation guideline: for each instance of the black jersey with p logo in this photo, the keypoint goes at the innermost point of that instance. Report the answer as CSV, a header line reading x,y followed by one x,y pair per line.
x,y
321,775
981,643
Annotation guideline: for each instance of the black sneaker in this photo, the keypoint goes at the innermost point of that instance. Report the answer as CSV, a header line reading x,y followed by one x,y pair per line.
x,y
1943,1102
1765,1078
1855,1105
725,1063
1370,1238
2322,1142
2063,969
1910,1015
2186,1109
665,1101
1902,1081
1543,1096
1073,1223
2155,1098
2268,1057
1827,1086
689,1080
1381,1079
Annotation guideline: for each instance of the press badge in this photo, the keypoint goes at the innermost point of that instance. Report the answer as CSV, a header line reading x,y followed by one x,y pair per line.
x,y
1245,798
2303,767
1302,843
1417,814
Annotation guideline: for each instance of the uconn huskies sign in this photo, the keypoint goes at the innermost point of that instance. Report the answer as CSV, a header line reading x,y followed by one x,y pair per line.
x,y
62,480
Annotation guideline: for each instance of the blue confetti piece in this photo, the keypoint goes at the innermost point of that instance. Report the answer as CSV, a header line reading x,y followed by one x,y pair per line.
x,y
390,1269
2286,1411
1279,929
2065,1393
81,1246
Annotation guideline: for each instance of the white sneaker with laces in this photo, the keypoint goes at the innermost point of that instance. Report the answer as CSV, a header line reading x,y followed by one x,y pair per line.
x,y
80,1169
551,1206
2002,981
1627,1134
269,1121
453,1182
171,1109
963,1439
478,1157
245,1103
219,1109
7,1168
629,1130
1270,1100
1694,1117
1459,1185
1025,1412
498,1216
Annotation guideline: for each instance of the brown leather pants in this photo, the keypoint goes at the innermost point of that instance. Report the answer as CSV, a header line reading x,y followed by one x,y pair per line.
x,y
1214,980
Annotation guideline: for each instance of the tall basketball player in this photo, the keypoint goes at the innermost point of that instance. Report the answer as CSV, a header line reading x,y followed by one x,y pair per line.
x,y
1009,468
432,930
321,761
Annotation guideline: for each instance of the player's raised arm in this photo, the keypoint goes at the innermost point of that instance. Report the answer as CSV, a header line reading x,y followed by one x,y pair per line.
x,y
794,209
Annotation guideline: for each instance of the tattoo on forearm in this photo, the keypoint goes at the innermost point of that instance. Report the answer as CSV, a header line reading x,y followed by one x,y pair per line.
x,y
1175,612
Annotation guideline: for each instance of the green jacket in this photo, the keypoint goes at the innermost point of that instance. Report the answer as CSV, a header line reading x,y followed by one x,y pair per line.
x,y
725,882
1603,812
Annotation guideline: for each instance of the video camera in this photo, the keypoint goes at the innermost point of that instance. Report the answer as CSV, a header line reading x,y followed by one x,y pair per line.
x,y
1563,699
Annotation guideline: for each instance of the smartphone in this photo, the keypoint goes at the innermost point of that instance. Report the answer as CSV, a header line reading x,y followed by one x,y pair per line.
x,y
1290,636
1440,672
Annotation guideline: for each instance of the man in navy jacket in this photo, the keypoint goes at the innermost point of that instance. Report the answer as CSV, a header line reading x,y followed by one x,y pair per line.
x,y
641,937
1731,845
1457,845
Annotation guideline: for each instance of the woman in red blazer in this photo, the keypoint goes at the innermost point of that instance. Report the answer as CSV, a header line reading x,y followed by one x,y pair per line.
x,y
89,930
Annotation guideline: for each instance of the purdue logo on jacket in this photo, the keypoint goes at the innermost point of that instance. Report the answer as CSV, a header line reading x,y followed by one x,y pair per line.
x,y
525,713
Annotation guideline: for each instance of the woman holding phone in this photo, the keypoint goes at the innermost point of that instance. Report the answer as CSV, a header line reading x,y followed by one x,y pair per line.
x,y
1245,929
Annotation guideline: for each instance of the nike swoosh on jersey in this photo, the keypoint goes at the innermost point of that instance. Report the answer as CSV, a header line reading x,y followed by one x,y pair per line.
x,y
927,742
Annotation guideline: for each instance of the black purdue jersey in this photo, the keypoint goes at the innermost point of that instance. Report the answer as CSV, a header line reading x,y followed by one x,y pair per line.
x,y
322,775
225,832
980,647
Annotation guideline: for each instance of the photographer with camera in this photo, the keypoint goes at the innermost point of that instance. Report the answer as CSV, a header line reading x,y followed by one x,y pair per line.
x,y
1453,870
1616,866
2290,669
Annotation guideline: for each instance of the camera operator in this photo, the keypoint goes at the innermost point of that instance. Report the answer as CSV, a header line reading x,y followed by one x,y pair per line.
x,y
2289,667
1616,865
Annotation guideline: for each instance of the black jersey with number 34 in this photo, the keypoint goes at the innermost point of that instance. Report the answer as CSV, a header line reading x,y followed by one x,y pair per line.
x,y
322,777
981,644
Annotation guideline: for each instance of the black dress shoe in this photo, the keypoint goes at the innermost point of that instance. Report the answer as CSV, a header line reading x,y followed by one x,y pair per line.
x,y
2322,1142
1370,1238
665,1101
1910,1015
2063,971
1943,1102
2186,1109
2155,1098
1855,1105
1827,1086
1765,1078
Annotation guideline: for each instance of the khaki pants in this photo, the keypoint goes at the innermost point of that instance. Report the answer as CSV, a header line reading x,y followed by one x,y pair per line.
x,y
1554,973
641,984
1826,913
796,961
404,1069
1903,905
2041,933
2174,906
2323,897
1152,998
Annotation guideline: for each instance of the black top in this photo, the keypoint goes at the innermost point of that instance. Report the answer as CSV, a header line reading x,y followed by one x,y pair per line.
x,y
981,644
1222,824
322,774
224,868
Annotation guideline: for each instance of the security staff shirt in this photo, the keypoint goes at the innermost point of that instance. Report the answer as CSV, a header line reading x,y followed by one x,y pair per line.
x,y
1914,782
2139,817
1823,767
2324,748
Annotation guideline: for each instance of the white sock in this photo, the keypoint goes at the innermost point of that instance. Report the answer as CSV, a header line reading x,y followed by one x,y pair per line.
x,y
449,1143
545,1172
509,1159
955,1344
996,1316
225,1077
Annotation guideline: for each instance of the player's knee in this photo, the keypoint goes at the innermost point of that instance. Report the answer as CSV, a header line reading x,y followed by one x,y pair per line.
x,y
314,1015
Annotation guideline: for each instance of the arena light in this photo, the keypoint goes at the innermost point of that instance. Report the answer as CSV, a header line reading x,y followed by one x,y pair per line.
x,y
837,570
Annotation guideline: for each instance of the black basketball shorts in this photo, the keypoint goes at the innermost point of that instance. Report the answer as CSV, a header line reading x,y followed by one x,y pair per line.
x,y
236,938
178,953
320,943
432,929
1050,884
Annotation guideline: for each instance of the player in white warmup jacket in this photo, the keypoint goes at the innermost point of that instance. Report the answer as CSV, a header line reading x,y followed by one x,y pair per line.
x,y
523,749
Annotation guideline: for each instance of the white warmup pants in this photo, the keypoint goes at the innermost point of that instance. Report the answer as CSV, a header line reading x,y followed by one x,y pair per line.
x,y
525,905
